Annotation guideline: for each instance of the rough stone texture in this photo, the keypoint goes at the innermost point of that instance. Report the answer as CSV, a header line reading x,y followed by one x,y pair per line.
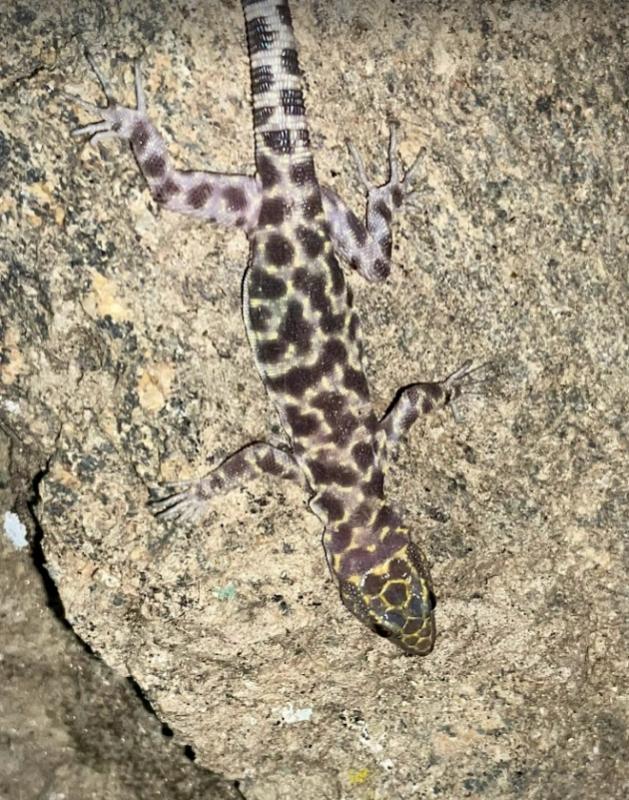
x,y
125,362
70,729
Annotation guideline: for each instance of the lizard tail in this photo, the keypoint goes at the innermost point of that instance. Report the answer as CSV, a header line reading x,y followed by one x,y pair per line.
x,y
282,139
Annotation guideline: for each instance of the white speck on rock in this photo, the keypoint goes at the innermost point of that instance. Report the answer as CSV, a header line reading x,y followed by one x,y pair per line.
x,y
14,530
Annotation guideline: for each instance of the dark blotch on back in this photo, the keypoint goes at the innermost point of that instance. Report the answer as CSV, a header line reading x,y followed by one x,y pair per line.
x,y
271,351
259,317
398,568
359,561
312,206
295,381
333,352
331,403
328,472
374,487
387,518
271,465
331,503
235,465
301,424
332,323
341,538
355,380
353,327
383,209
343,428
267,172
311,241
271,211
381,268
313,286
295,328
278,250
303,172
432,390
363,455
261,284
283,12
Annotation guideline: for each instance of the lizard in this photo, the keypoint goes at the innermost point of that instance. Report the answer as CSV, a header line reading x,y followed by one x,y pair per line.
x,y
304,330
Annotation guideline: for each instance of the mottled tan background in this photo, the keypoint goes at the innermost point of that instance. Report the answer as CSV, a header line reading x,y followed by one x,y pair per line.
x,y
124,362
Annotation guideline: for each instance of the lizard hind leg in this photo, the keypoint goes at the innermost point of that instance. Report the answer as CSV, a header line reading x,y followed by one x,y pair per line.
x,y
116,121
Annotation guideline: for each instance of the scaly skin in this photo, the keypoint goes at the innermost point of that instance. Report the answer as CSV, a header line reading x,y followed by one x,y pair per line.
x,y
305,333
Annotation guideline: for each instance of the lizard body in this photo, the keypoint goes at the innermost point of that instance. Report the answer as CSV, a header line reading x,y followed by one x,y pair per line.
x,y
305,332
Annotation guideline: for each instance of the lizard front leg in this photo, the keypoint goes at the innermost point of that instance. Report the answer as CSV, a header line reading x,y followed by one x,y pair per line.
x,y
229,200
190,500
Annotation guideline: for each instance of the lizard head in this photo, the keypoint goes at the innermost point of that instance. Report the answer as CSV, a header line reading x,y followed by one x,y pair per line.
x,y
386,584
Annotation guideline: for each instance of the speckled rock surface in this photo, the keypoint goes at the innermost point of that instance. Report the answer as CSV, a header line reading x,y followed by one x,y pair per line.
x,y
71,729
125,363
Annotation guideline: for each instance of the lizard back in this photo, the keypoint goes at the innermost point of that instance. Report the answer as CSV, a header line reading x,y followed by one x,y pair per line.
x,y
297,306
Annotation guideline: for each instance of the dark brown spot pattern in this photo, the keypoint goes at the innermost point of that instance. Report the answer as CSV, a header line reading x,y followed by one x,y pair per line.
x,y
263,285
166,190
154,166
271,211
303,173
331,504
357,228
336,273
198,195
139,137
363,455
301,424
267,172
235,198
295,329
259,318
278,250
310,240
356,381
270,351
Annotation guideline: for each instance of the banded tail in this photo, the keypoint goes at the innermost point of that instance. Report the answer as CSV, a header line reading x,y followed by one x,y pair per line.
x,y
282,139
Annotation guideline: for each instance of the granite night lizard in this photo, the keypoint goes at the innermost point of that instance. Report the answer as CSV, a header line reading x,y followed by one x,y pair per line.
x,y
304,331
